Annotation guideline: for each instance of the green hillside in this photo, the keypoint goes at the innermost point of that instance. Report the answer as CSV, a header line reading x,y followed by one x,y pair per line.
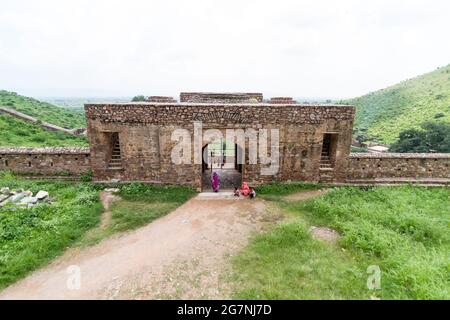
x,y
42,110
383,114
18,133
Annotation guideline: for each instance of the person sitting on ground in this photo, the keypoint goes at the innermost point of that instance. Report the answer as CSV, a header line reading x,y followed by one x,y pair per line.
x,y
236,192
252,193
245,189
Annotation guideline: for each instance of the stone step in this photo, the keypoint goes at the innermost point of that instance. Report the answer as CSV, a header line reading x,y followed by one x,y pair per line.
x,y
223,195
115,168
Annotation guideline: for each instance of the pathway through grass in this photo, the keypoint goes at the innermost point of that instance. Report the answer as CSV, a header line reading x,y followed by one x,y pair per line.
x,y
402,230
30,238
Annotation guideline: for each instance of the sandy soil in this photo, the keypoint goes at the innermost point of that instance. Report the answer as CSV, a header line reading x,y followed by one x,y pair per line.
x,y
324,234
181,255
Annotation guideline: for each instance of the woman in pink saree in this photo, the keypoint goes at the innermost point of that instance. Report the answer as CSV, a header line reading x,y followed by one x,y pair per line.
x,y
215,181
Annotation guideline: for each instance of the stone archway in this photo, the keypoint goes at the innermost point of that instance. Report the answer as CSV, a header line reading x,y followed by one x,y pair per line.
x,y
222,156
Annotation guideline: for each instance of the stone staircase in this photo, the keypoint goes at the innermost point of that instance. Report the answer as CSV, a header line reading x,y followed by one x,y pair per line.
x,y
116,160
326,170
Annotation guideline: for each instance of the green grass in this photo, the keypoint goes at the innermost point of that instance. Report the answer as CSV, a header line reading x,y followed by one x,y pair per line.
x,y
30,238
276,191
18,133
42,110
403,230
383,114
141,204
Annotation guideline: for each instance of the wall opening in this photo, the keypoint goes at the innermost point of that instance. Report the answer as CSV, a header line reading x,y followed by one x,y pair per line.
x,y
114,154
222,156
329,148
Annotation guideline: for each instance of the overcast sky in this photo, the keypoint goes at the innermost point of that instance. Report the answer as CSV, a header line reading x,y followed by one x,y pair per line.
x,y
293,48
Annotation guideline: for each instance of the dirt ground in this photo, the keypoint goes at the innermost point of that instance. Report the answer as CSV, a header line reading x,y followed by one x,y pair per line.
x,y
182,255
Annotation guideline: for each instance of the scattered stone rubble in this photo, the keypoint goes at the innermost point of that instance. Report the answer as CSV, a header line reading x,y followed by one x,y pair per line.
x,y
21,198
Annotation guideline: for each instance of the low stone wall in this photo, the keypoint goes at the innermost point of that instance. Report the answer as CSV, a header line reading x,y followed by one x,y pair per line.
x,y
45,161
425,166
212,97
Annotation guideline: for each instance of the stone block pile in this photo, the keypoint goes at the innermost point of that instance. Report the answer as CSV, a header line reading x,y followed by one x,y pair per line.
x,y
21,198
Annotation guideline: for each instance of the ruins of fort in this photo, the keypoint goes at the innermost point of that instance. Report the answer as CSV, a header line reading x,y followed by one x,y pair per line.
x,y
135,142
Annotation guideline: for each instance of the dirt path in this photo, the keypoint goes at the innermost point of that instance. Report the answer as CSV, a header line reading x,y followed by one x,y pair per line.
x,y
107,198
181,255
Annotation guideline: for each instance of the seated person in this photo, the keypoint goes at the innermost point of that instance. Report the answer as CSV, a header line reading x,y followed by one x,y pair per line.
x,y
252,193
245,189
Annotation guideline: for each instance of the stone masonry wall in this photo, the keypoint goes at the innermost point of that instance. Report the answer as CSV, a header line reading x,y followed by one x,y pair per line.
x,y
367,166
45,161
145,130
205,97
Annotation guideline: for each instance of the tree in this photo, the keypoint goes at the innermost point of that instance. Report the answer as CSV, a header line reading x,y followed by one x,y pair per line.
x,y
434,137
139,98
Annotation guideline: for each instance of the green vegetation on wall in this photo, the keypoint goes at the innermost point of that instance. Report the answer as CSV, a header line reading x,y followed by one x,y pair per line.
x,y
383,114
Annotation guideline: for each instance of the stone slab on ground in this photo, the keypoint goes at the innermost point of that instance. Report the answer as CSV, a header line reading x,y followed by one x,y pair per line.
x,y
41,195
228,195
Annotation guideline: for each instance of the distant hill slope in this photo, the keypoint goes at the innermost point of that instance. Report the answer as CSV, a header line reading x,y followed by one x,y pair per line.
x,y
42,110
19,133
385,113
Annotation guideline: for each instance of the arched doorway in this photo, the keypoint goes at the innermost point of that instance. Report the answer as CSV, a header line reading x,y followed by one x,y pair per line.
x,y
222,156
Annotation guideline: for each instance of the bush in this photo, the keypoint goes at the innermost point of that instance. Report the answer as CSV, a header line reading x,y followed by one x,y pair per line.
x,y
434,137
139,98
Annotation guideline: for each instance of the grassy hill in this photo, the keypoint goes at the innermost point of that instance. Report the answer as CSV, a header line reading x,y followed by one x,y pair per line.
x,y
18,133
383,114
42,110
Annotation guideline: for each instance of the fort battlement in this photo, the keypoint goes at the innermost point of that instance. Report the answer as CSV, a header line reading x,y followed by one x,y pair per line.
x,y
134,142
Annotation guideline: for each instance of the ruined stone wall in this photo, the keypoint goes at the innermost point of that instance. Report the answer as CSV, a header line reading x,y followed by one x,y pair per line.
x,y
282,100
205,97
162,99
367,166
145,138
45,161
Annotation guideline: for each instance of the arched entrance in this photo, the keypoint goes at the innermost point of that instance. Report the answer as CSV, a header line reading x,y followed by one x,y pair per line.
x,y
222,156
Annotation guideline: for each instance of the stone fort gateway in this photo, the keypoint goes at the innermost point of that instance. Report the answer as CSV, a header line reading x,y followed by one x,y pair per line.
x,y
241,136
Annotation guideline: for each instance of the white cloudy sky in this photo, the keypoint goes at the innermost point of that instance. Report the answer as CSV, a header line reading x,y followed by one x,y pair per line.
x,y
294,48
